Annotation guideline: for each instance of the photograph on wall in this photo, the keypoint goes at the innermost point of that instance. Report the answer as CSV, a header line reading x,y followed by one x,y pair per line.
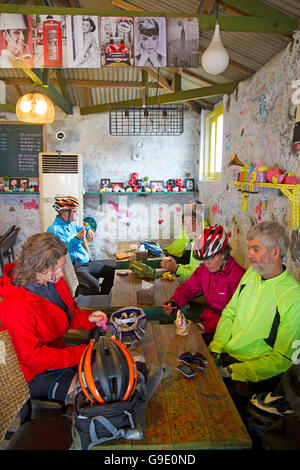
x,y
116,41
50,41
183,42
189,184
157,185
105,183
14,183
23,184
150,42
83,41
16,43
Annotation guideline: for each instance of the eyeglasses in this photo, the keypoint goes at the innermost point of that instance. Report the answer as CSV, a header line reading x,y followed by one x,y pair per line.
x,y
198,360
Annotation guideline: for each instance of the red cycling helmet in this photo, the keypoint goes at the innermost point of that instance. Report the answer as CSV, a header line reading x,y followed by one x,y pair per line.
x,y
212,241
107,371
66,203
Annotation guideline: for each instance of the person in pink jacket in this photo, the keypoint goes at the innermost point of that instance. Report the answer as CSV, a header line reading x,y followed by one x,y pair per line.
x,y
217,278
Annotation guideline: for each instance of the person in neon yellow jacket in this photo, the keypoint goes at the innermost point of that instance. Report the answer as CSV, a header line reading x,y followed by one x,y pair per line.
x,y
261,322
183,246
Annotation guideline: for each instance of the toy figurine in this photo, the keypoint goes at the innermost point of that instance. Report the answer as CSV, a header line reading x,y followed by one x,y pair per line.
x,y
179,184
133,179
273,173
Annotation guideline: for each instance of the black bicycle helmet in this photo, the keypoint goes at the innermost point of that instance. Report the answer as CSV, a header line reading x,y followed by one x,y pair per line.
x,y
107,371
128,325
259,421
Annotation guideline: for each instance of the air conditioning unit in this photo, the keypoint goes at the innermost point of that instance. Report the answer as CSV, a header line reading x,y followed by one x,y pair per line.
x,y
59,175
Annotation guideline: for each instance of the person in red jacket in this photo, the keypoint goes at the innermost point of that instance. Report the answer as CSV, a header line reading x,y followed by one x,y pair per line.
x,y
217,278
37,310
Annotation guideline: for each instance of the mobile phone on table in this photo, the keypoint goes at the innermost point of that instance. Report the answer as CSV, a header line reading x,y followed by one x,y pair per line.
x,y
186,370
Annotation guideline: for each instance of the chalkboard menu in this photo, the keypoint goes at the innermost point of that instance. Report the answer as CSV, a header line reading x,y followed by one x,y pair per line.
x,y
20,145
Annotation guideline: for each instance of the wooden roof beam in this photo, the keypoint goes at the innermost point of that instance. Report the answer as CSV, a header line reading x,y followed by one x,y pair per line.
x,y
178,97
280,24
235,11
256,8
125,5
163,82
80,83
36,76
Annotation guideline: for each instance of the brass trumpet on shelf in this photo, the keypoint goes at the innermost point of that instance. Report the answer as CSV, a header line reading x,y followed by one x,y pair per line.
x,y
235,161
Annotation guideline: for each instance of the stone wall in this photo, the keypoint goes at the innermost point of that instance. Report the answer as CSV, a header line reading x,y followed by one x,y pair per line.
x,y
259,120
104,156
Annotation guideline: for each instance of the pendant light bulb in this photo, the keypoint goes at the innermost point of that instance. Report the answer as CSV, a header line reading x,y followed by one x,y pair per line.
x,y
215,59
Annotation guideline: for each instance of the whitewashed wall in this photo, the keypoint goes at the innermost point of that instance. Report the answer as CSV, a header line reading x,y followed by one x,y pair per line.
x,y
259,119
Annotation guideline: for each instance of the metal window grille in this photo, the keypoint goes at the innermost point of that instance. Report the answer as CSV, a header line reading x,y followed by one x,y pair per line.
x,y
160,120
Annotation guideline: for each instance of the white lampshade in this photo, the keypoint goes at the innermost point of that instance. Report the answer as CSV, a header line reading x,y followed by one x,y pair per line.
x,y
35,108
215,59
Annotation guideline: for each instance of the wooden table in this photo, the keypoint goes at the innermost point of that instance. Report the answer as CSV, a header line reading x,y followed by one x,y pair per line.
x,y
123,248
124,292
183,413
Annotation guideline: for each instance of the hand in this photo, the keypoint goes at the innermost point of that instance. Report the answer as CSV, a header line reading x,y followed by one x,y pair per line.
x,y
90,234
225,372
170,307
217,358
81,234
99,318
144,57
169,264
201,327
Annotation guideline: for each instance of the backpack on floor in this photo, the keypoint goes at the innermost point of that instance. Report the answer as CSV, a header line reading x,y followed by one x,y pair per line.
x,y
95,424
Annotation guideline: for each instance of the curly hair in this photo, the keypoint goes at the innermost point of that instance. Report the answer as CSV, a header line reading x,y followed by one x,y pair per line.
x,y
38,253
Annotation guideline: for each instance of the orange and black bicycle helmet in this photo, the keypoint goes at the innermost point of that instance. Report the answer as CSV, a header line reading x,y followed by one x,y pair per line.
x,y
107,371
66,203
212,241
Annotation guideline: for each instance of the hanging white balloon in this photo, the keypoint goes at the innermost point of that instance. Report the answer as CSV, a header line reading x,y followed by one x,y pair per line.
x,y
215,59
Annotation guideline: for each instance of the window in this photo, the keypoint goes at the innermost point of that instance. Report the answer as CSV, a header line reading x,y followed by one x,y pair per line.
x,y
213,144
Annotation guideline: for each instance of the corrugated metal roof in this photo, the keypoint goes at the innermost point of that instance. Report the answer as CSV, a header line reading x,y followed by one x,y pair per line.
x,y
247,51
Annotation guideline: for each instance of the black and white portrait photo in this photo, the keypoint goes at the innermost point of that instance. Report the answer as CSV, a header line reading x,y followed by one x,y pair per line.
x,y
183,42
189,184
83,41
150,42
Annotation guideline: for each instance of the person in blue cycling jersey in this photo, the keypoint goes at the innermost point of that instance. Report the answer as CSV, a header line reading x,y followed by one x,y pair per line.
x,y
88,271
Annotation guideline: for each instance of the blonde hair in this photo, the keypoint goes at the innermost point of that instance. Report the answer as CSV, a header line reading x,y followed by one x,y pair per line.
x,y
38,253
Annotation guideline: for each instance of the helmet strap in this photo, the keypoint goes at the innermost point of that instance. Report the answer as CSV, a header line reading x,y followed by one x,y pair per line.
x,y
223,264
69,215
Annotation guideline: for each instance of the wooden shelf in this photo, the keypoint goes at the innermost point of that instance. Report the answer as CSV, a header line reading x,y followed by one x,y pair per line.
x,y
133,194
139,194
291,191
